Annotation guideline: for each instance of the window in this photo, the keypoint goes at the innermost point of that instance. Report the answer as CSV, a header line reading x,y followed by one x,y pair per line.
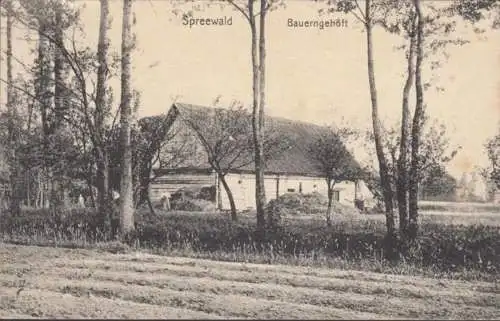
x,y
291,190
336,196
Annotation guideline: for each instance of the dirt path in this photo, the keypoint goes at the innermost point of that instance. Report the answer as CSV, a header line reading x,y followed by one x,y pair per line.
x,y
51,282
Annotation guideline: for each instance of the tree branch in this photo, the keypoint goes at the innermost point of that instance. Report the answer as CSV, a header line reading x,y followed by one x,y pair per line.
x,y
247,17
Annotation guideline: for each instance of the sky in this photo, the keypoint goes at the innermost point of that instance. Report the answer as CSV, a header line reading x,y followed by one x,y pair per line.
x,y
313,75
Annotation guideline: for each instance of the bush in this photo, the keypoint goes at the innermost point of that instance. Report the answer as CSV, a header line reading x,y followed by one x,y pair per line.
x,y
193,205
63,223
206,193
195,199
344,210
307,204
297,203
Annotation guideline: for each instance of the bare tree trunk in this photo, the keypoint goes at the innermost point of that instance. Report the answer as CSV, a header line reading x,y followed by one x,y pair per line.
x,y
230,197
38,193
58,199
150,205
259,182
14,166
29,172
143,181
126,193
103,201
259,144
28,187
219,195
416,128
44,92
402,182
330,201
88,179
377,130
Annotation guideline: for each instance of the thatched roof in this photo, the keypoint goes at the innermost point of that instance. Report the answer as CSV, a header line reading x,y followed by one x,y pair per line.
x,y
292,160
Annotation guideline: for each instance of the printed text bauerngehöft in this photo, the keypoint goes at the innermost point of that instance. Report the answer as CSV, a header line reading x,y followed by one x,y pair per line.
x,y
319,23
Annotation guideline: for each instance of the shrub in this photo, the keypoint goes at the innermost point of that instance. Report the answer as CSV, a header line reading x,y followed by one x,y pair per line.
x,y
206,193
64,222
307,204
193,205
297,204
344,210
195,199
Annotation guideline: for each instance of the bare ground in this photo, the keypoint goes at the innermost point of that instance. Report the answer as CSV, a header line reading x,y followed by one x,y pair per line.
x,y
64,283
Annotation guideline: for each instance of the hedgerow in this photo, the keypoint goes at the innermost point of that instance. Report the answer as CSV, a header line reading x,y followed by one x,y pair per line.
x,y
441,247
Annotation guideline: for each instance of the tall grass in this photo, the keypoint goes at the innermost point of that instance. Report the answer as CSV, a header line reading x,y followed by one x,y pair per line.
x,y
352,243
464,207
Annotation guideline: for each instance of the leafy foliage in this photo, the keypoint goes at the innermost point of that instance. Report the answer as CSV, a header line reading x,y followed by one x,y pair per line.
x,y
333,160
477,10
292,204
227,139
439,185
225,134
150,140
331,156
435,150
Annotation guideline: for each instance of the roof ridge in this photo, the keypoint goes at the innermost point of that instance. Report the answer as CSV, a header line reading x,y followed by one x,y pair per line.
x,y
267,116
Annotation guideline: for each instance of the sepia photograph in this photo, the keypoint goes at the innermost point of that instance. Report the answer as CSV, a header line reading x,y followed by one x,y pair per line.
x,y
250,159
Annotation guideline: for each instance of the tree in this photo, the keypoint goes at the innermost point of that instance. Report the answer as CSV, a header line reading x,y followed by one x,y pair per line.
x,y
226,135
427,36
58,197
40,98
477,10
377,126
438,185
226,138
435,151
369,20
402,162
44,91
152,145
256,16
425,43
333,160
97,125
83,99
50,20
259,79
258,56
416,126
126,192
493,151
13,127
435,26
410,24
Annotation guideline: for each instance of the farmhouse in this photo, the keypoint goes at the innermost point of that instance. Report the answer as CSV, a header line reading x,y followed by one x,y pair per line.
x,y
289,171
